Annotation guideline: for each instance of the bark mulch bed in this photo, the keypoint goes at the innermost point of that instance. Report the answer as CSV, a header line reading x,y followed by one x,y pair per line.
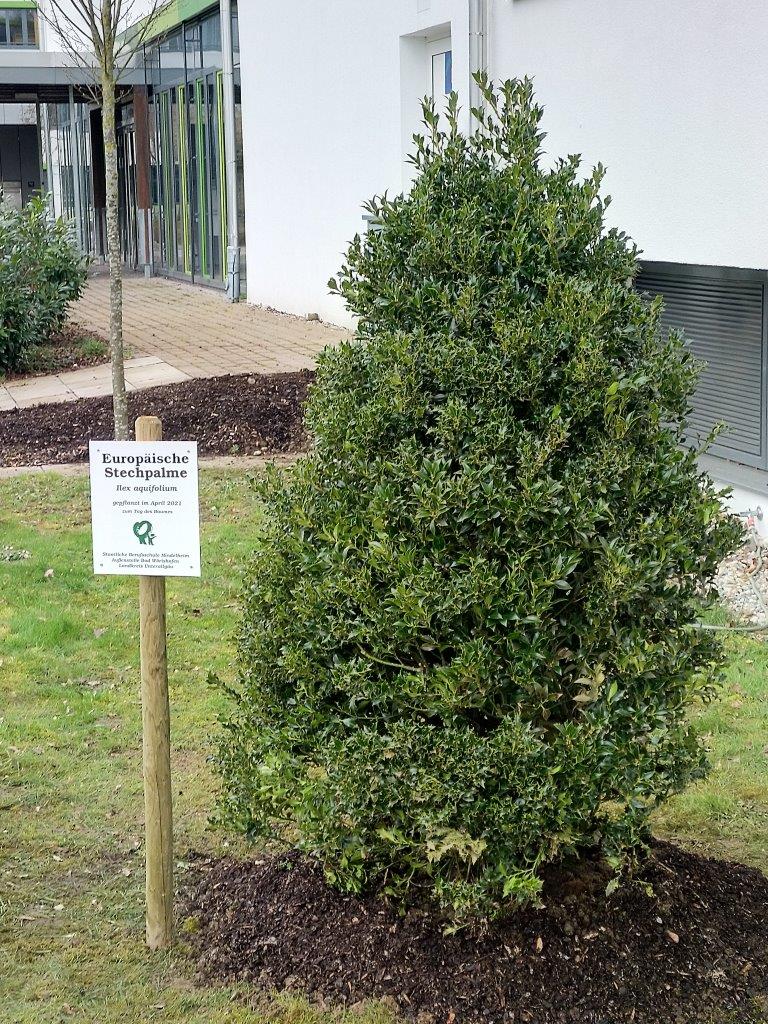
x,y
694,952
74,347
243,414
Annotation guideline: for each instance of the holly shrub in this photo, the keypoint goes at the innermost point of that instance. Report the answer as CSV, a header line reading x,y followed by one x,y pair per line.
x,y
469,642
41,273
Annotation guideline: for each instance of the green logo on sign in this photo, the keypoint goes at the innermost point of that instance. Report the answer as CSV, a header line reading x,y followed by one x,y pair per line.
x,y
143,531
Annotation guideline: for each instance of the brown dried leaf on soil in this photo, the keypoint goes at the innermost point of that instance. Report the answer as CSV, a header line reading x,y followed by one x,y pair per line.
x,y
74,347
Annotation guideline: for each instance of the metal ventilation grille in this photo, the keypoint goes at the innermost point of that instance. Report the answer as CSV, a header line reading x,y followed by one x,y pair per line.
x,y
723,318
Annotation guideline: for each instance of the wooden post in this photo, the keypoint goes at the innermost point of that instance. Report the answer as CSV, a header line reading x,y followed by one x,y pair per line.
x,y
156,720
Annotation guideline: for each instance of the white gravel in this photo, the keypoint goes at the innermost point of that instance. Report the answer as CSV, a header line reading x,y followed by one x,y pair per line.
x,y
742,583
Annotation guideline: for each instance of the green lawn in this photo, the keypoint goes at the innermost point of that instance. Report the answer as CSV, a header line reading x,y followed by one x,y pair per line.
x,y
71,885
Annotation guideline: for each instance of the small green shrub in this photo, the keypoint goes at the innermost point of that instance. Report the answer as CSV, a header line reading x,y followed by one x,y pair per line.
x,y
466,648
41,273
93,348
65,351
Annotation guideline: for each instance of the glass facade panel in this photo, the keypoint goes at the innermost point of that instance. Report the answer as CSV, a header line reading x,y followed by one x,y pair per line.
x,y
70,149
31,20
201,174
126,163
173,42
178,228
16,21
18,27
193,49
188,167
183,182
235,35
168,208
211,33
442,74
172,59
214,177
173,163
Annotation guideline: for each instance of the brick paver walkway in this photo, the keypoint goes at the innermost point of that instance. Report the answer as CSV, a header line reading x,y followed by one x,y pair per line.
x,y
175,331
200,333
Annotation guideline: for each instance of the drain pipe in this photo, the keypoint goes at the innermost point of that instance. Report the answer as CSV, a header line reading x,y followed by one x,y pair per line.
x,y
478,50
230,151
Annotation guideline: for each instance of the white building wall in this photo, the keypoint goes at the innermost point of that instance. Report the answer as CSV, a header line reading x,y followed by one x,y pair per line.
x,y
324,121
672,97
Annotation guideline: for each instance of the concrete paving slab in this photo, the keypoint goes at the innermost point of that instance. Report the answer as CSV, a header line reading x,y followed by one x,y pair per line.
x,y
63,396
152,376
142,361
92,390
89,375
40,388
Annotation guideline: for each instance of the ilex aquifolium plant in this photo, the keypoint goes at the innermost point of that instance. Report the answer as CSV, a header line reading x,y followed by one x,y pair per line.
x,y
466,649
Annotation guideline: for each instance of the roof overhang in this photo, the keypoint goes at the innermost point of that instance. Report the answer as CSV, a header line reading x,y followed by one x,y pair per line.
x,y
30,76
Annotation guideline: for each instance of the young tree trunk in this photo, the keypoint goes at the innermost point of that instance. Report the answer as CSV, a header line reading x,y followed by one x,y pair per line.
x,y
119,400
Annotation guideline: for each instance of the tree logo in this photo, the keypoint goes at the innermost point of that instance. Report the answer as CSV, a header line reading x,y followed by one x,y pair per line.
x,y
143,532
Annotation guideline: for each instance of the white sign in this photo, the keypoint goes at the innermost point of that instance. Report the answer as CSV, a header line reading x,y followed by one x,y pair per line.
x,y
144,508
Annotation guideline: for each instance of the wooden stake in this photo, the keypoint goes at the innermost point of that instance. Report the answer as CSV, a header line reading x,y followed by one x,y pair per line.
x,y
156,720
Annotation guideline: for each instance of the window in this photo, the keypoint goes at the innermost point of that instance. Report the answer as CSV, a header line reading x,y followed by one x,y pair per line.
x,y
211,34
190,201
173,43
439,53
722,311
31,29
442,74
192,44
18,27
16,21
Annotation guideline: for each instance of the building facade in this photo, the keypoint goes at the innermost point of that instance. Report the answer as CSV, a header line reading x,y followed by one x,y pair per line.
x,y
175,195
20,155
670,96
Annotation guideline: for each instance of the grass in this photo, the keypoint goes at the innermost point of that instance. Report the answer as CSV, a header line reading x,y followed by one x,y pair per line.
x,y
71,885
727,814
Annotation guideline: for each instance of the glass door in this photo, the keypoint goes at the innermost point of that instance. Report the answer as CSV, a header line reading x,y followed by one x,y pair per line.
x,y
165,180
207,201
126,166
181,153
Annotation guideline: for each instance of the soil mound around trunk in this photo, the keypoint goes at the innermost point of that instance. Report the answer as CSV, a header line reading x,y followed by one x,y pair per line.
x,y
242,414
693,952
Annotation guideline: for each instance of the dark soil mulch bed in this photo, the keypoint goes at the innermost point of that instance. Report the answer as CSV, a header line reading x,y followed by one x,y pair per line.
x,y
65,350
246,414
696,951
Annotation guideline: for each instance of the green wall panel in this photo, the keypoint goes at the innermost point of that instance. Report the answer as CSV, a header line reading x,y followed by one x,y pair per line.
x,y
177,11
